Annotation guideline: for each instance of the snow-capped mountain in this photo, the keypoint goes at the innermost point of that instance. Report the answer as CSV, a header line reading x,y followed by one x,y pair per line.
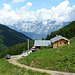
x,y
45,27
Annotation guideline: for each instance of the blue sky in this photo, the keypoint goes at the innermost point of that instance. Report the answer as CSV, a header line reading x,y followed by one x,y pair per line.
x,y
36,4
12,11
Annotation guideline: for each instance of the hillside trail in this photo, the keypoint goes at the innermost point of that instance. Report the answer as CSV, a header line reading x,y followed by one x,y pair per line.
x,y
14,59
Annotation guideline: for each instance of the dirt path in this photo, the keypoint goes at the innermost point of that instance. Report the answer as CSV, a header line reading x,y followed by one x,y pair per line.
x,y
14,58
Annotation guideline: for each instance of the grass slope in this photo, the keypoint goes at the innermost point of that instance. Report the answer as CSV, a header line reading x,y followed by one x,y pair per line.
x,y
7,68
62,58
10,37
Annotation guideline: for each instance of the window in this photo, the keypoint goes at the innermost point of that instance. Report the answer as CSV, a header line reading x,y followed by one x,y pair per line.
x,y
64,42
60,42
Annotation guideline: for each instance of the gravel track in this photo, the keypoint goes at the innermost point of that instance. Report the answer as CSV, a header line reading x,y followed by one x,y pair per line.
x,y
14,59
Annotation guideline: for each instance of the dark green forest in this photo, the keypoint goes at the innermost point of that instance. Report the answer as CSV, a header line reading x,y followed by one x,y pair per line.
x,y
16,49
10,37
68,31
12,42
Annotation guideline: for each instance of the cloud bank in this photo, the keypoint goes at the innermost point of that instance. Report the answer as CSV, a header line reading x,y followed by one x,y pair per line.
x,y
61,13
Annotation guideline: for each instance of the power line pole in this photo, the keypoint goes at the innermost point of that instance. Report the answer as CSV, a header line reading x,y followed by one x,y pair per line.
x,y
28,45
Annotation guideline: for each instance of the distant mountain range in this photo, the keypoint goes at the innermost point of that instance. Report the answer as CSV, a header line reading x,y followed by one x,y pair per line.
x,y
34,35
10,37
37,30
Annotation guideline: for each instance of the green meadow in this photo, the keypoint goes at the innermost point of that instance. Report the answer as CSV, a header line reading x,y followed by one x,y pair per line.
x,y
59,59
7,68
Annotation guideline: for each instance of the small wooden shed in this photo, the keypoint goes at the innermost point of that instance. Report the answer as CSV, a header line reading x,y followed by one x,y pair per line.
x,y
39,43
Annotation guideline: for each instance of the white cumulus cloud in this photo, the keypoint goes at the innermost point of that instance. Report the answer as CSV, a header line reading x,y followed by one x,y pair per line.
x,y
43,14
10,17
61,13
6,7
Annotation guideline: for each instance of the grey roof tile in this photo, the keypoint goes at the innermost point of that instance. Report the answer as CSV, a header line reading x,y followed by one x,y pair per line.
x,y
42,42
57,38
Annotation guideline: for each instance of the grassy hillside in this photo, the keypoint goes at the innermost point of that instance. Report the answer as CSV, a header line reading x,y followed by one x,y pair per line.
x,y
62,58
10,37
7,68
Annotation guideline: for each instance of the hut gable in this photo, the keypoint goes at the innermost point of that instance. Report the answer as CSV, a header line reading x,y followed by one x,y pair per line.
x,y
59,41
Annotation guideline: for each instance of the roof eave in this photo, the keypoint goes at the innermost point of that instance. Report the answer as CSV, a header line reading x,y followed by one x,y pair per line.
x,y
60,39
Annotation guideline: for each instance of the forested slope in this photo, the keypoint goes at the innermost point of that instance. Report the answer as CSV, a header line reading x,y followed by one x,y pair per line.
x,y
68,31
10,37
16,49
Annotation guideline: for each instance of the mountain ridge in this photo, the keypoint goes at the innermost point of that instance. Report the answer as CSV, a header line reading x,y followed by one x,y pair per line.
x,y
36,28
10,37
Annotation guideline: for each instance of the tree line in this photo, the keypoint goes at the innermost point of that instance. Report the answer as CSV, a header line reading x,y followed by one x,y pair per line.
x,y
17,49
68,31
